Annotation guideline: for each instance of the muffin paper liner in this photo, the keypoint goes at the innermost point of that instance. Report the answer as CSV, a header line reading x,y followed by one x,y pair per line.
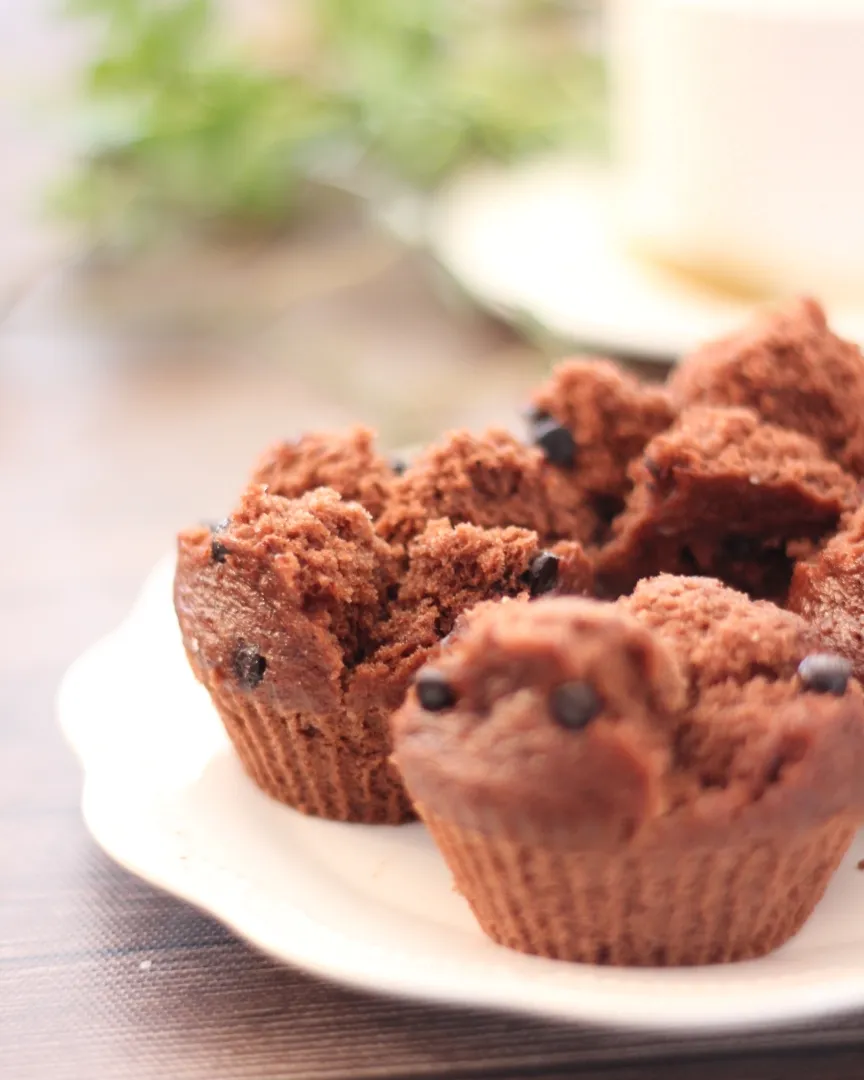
x,y
699,905
306,767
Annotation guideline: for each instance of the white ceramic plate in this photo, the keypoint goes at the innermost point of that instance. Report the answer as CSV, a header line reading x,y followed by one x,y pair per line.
x,y
374,907
538,242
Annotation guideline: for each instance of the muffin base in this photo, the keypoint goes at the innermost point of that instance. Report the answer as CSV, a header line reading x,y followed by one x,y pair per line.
x,y
297,761
695,906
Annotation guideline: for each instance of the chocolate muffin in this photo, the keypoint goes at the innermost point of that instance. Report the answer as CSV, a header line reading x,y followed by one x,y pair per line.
x,y
790,368
828,591
347,462
606,790
724,494
607,415
306,630
276,610
491,480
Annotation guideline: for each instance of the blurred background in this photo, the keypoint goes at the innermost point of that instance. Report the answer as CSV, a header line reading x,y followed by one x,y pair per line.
x,y
214,231
227,202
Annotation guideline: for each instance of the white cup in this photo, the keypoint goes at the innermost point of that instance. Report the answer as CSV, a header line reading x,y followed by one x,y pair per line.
x,y
740,135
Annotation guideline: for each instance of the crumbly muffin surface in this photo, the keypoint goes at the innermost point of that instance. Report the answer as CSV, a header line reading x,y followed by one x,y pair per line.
x,y
587,721
346,461
609,415
828,591
490,480
723,494
789,367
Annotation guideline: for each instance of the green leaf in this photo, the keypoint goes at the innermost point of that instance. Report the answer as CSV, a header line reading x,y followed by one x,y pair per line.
x,y
182,129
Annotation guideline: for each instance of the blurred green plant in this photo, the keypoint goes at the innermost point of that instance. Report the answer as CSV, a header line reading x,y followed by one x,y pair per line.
x,y
182,129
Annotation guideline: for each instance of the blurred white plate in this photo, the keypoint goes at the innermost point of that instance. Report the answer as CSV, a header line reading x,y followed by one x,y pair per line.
x,y
373,907
537,242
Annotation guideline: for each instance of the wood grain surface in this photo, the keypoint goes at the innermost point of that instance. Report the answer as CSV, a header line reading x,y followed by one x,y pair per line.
x,y
124,414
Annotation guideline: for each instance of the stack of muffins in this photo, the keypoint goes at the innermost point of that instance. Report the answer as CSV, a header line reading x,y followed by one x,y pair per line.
x,y
613,667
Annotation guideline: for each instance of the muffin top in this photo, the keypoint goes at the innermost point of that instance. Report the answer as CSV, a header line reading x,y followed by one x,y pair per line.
x,y
300,598
790,368
490,480
281,597
828,591
589,725
449,570
345,461
609,416
724,494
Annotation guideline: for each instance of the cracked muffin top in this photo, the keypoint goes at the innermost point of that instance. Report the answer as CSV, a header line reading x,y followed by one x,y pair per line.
x,y
596,724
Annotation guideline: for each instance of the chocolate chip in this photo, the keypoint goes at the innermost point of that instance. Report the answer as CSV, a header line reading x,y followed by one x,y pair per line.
x,y
687,561
218,551
741,548
574,704
662,480
398,466
555,441
542,575
825,673
652,467
249,666
433,691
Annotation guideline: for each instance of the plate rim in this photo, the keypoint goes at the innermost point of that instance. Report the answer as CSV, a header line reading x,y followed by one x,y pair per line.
x,y
696,304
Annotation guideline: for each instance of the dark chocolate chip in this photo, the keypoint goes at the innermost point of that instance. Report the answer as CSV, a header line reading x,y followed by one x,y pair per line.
x,y
398,466
249,666
687,562
218,551
555,441
662,480
652,467
543,573
433,691
825,673
574,704
741,548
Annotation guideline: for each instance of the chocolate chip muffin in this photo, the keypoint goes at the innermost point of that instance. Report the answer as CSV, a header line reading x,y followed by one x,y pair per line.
x,y
596,418
828,591
670,779
790,368
306,630
490,480
276,610
724,494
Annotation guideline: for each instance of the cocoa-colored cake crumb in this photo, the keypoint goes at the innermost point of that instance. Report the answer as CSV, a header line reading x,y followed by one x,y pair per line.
x,y
347,462
723,494
604,791
490,480
790,368
828,591
450,570
609,415
273,627
717,633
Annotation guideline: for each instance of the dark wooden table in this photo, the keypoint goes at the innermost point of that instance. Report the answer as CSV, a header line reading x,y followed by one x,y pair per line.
x,y
124,413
